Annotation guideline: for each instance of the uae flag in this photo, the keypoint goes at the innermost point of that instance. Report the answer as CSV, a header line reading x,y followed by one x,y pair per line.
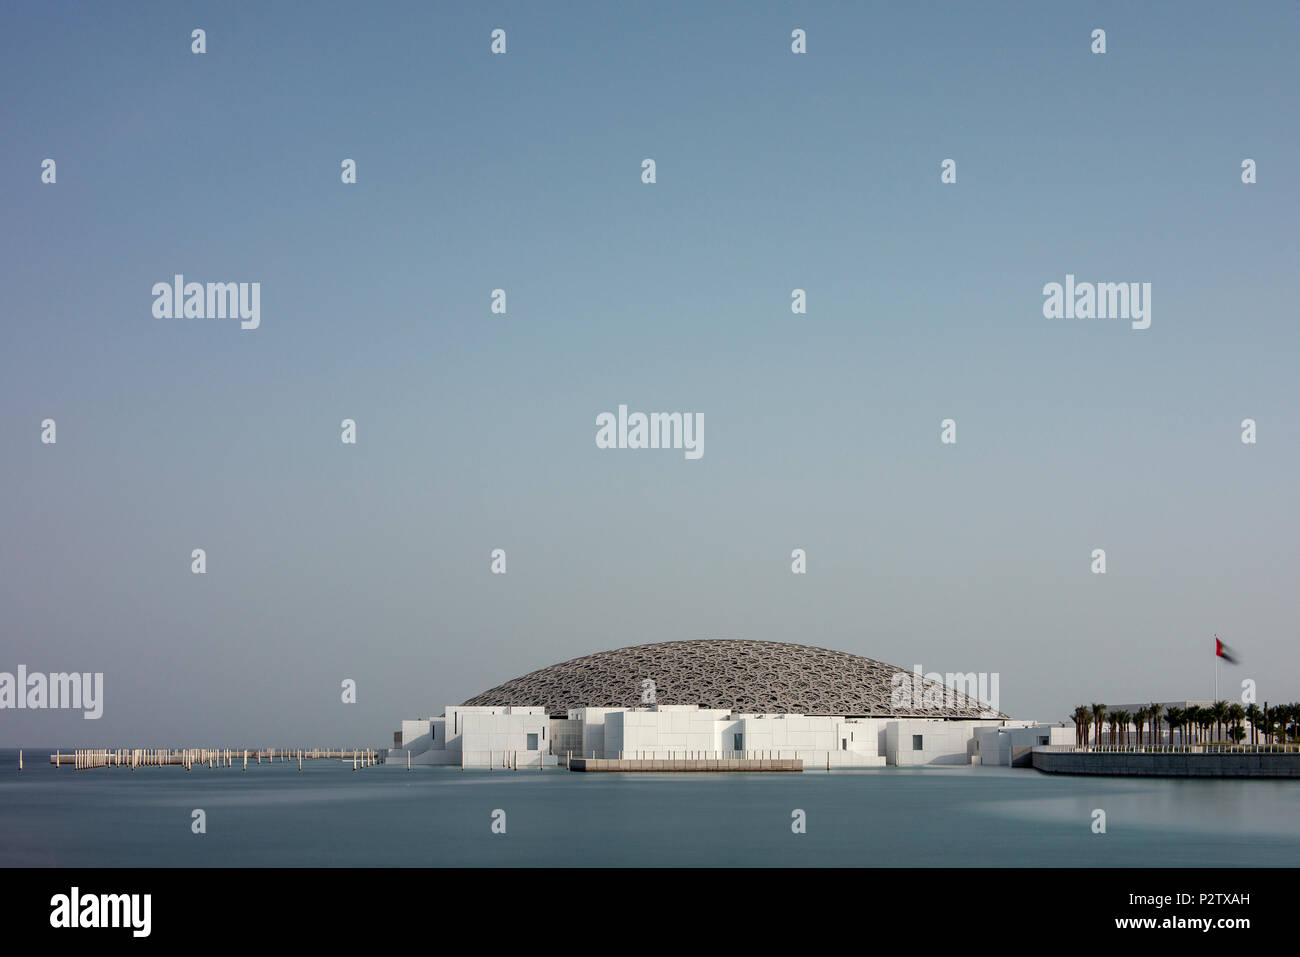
x,y
1223,651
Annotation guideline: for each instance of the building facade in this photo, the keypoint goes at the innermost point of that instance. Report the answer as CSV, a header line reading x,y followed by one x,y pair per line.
x,y
523,737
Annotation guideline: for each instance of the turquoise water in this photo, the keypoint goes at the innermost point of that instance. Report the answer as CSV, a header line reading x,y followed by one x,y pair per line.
x,y
385,816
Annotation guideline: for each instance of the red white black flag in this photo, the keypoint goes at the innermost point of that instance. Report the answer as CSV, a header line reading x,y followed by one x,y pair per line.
x,y
1223,651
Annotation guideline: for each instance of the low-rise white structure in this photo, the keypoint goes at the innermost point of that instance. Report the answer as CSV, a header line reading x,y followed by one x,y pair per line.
x,y
520,737
477,737
1012,745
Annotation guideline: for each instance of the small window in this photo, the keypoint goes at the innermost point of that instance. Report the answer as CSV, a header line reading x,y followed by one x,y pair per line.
x,y
532,742
738,742
1042,740
844,744
916,743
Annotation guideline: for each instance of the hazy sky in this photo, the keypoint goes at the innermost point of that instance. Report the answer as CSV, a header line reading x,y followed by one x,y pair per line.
x,y
476,431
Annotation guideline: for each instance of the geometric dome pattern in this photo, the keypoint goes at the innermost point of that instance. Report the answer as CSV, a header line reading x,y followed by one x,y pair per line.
x,y
743,676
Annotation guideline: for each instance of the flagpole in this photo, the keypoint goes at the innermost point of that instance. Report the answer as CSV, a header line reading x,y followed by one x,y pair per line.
x,y
1216,669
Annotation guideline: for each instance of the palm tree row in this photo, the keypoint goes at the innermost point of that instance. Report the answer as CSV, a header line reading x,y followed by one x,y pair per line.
x,y
1278,724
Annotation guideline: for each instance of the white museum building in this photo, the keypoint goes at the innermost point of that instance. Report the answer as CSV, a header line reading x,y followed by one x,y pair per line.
x,y
718,699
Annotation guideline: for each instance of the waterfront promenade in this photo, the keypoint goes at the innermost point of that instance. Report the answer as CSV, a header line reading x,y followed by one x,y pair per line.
x,y
1208,761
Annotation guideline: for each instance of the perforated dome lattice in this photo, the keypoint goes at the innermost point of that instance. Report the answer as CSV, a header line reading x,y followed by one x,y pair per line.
x,y
748,676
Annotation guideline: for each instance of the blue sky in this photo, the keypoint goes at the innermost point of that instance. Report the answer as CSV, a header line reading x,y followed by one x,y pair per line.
x,y
476,431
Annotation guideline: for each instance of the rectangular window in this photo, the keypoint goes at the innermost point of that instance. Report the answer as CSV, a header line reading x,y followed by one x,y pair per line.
x,y
844,744
916,743
738,742
532,742
433,732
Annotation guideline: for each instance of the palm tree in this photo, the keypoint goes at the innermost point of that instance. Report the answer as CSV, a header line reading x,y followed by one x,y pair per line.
x,y
1220,713
1125,718
1139,719
1174,717
1098,715
1236,714
1080,732
1153,709
1254,715
1113,719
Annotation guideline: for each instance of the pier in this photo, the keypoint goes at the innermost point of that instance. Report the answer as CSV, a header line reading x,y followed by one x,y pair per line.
x,y
190,758
685,764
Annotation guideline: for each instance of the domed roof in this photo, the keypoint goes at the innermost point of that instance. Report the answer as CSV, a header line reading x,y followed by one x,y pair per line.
x,y
763,677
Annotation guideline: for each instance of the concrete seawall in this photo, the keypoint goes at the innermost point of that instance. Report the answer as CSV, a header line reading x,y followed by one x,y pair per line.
x,y
1175,765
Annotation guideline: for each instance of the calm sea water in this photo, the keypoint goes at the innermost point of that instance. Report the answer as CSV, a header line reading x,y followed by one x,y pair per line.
x,y
384,816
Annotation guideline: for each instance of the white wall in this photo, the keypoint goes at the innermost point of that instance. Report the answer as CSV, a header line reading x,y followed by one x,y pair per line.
x,y
593,729
499,736
942,742
994,744
503,732
820,741
477,736
681,731
660,733
415,736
